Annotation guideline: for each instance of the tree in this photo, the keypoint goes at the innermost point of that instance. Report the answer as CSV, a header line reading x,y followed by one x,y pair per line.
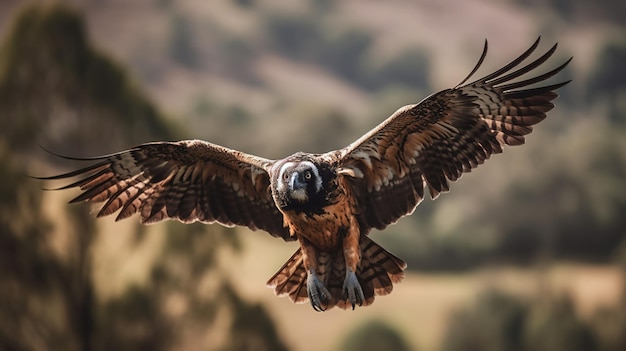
x,y
49,298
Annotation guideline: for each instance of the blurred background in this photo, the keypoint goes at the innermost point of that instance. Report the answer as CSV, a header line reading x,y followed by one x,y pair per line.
x,y
526,253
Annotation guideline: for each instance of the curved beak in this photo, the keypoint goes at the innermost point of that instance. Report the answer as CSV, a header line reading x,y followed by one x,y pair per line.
x,y
296,182
297,188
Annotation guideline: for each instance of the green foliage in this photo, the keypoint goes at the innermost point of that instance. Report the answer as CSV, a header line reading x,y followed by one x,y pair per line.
x,y
48,298
609,322
496,323
590,224
558,328
252,328
27,268
499,321
163,4
181,43
296,37
584,11
408,69
50,76
608,81
134,321
245,3
374,336
346,53
142,317
319,128
39,288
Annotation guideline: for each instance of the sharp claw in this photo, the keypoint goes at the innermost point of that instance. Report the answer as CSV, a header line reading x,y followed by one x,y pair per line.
x,y
318,294
352,289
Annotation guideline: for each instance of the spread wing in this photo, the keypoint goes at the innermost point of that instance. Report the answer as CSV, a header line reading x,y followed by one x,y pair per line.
x,y
188,180
448,133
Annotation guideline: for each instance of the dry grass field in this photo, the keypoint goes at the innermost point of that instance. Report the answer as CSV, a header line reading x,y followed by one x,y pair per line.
x,y
419,307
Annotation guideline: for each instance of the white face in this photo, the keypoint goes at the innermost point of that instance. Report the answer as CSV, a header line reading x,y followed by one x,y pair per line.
x,y
295,179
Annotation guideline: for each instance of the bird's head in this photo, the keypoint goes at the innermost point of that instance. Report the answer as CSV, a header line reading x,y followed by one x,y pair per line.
x,y
298,183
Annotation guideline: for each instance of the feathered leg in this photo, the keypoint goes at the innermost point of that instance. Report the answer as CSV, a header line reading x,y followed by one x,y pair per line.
x,y
352,254
319,296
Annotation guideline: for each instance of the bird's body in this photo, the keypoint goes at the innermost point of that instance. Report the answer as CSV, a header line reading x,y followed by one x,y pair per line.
x,y
329,202
335,255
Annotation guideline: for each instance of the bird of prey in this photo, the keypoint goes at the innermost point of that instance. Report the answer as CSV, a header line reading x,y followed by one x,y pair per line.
x,y
329,202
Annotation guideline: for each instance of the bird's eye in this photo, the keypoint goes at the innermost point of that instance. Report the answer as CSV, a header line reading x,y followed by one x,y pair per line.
x,y
308,175
285,176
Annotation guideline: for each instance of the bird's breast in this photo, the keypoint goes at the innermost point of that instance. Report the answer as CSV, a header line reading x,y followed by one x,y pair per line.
x,y
324,230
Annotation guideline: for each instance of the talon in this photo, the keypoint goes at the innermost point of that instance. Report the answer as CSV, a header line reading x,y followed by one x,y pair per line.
x,y
352,289
318,294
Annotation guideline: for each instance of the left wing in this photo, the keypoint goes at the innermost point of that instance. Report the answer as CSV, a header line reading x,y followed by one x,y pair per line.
x,y
189,180
448,133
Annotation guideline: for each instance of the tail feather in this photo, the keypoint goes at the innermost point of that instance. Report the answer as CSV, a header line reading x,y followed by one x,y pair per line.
x,y
375,262
377,272
290,280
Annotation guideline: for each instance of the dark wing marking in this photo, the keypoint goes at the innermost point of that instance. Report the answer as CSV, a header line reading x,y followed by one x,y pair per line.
x,y
188,180
448,133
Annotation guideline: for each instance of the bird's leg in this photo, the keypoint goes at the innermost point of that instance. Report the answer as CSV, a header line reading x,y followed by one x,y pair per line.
x,y
318,294
352,255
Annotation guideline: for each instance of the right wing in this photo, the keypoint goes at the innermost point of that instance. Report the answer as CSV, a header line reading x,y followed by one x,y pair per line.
x,y
189,180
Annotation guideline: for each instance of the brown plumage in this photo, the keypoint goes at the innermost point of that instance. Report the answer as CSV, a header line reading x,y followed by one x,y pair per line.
x,y
329,202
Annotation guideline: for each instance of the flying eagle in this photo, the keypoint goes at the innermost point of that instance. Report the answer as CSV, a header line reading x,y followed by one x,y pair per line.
x,y
329,202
